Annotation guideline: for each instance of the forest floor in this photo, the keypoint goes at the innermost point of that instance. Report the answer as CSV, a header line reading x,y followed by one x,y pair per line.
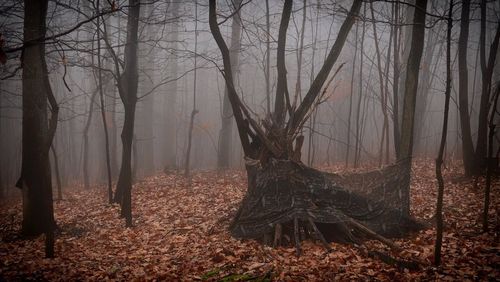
x,y
180,233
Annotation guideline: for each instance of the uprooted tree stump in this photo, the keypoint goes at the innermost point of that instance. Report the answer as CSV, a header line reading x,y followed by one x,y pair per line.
x,y
289,201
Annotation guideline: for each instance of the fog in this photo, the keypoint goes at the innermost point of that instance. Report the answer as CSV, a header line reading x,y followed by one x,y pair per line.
x,y
177,51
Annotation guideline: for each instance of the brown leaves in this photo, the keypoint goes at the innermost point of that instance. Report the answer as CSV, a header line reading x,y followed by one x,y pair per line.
x,y
180,233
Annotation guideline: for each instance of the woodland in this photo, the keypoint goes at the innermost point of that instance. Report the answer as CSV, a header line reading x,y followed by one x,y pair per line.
x,y
249,140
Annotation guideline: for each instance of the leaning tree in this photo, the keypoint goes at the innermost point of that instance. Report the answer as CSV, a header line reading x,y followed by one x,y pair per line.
x,y
285,198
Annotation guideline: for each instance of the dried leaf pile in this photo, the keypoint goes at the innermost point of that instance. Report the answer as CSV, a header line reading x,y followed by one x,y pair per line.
x,y
180,233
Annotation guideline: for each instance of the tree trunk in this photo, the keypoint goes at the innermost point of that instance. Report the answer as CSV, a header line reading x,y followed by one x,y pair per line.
x,y
395,81
187,166
351,97
463,90
38,130
383,102
170,144
58,175
127,86
358,142
268,60
410,94
487,72
103,113
226,132
86,177
439,159
147,57
490,167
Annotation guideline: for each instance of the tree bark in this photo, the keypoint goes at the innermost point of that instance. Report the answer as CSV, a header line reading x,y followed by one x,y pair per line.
x,y
38,129
170,144
490,168
280,104
487,72
395,82
187,166
127,86
268,60
463,90
358,141
410,94
351,97
439,159
103,113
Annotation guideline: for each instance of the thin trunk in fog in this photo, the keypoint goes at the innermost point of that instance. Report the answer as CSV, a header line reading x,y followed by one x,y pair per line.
x,y
170,144
282,99
127,86
463,90
311,148
490,164
38,130
386,98
410,93
395,81
439,159
112,119
57,172
406,31
351,97
226,132
425,85
357,143
86,180
383,102
487,66
103,112
194,111
268,60
147,57
298,84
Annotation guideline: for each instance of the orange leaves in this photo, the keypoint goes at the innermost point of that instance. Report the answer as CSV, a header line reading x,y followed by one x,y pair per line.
x,y
180,233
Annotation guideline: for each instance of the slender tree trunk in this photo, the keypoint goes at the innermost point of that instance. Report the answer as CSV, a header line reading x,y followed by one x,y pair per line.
x,y
410,94
487,72
268,60
128,93
439,159
86,177
38,130
103,113
490,168
298,84
58,175
351,97
358,141
147,57
226,132
463,87
170,144
395,82
187,165
382,88
280,104
312,124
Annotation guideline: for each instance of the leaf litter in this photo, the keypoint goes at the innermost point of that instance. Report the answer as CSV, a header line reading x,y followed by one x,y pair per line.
x,y
180,234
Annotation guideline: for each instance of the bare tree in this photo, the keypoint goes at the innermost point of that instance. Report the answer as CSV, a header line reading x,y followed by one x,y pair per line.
x,y
127,87
439,159
38,129
410,94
